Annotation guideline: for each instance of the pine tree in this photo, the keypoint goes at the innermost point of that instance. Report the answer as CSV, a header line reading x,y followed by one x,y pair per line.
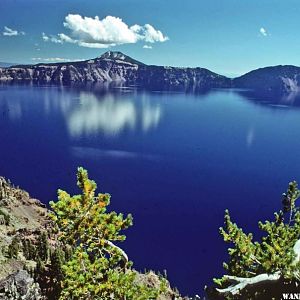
x,y
57,260
43,246
97,268
274,258
13,248
5,217
25,248
39,269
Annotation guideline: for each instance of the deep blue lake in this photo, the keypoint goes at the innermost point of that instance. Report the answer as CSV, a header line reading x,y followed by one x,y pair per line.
x,y
175,161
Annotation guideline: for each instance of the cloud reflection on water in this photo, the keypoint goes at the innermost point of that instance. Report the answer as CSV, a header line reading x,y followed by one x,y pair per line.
x,y
150,116
250,137
95,153
111,116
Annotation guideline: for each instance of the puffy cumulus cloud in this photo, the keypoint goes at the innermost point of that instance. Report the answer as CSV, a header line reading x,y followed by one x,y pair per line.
x,y
108,32
263,31
12,32
147,47
148,33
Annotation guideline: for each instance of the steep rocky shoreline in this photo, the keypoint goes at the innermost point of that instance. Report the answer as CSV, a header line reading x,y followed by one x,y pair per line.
x,y
118,68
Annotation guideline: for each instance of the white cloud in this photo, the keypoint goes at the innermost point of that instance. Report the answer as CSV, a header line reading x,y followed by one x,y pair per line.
x,y
147,47
50,59
148,33
45,37
12,32
37,47
51,38
263,31
108,32
54,59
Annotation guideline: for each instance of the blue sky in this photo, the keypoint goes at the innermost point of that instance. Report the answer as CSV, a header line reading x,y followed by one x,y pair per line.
x,y
230,37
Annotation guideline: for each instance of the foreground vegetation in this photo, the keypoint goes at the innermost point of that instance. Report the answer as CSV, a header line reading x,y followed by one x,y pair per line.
x,y
75,253
267,268
97,268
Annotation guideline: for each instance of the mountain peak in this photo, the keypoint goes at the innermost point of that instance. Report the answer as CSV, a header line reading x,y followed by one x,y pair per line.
x,y
113,55
119,56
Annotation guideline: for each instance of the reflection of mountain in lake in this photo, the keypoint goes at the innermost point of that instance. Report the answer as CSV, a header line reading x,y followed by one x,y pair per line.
x,y
111,116
271,99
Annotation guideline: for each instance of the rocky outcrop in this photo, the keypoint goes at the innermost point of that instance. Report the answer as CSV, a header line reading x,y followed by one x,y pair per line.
x,y
19,286
117,68
21,218
151,280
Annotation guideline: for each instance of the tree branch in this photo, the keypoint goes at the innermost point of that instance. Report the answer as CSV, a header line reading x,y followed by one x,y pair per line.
x,y
239,283
296,249
111,244
244,282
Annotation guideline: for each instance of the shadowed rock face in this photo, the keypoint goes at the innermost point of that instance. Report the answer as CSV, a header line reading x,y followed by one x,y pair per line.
x,y
117,67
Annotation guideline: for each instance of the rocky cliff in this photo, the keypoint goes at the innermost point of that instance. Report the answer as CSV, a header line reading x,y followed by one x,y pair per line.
x,y
118,68
21,218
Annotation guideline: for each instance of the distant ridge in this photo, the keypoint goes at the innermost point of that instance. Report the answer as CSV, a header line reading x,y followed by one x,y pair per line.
x,y
276,80
117,67
5,64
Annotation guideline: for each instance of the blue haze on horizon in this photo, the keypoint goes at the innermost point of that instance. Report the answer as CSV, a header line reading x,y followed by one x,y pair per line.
x,y
228,37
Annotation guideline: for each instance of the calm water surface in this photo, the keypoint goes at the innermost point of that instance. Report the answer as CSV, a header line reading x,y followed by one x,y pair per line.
x,y
175,161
